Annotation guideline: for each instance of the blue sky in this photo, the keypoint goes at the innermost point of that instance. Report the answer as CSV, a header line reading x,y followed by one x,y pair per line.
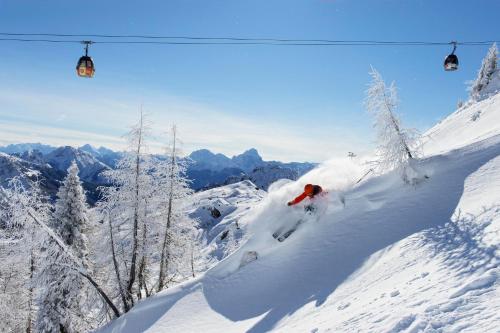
x,y
291,103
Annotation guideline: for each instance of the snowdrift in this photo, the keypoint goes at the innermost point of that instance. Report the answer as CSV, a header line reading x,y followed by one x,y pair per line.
x,y
383,257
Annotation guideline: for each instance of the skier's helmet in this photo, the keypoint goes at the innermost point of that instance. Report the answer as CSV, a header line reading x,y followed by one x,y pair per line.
x,y
309,189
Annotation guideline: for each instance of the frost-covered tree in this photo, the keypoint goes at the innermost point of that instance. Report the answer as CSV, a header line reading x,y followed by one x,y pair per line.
x,y
177,233
20,259
144,226
71,216
45,262
485,74
60,304
127,210
394,141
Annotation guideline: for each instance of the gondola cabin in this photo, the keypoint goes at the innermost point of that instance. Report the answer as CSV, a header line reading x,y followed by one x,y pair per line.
x,y
451,63
85,67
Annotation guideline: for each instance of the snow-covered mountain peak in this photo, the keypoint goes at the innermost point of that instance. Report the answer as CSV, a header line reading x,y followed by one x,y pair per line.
x,y
90,149
249,160
205,159
90,168
250,153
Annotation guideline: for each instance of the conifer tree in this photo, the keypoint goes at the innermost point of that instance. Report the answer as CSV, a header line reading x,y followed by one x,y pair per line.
x,y
63,291
485,73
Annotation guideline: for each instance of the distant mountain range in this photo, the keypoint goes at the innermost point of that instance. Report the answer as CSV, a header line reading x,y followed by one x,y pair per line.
x,y
20,148
206,169
50,167
209,170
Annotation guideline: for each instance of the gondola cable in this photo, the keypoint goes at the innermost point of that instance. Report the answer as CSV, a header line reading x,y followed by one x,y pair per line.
x,y
222,40
85,66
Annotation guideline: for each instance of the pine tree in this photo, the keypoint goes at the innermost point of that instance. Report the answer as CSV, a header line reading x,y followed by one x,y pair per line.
x,y
60,300
394,141
485,74
71,217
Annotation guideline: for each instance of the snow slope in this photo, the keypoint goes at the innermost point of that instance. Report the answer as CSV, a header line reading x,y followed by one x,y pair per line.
x,y
467,125
394,258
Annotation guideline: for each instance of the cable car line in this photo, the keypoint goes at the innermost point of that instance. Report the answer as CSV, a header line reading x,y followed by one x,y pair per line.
x,y
222,40
40,40
85,66
354,43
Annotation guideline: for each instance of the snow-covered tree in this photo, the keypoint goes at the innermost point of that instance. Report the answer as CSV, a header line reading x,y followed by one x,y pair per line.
x,y
177,233
71,216
43,262
61,298
485,74
145,232
127,210
395,142
19,261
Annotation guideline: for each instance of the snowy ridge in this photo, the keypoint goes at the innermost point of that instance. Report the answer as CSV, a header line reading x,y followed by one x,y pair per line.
x,y
465,126
219,212
34,166
90,167
20,148
12,166
395,258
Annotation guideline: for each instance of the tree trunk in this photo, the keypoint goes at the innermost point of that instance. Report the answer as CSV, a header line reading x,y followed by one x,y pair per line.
x,y
403,142
397,129
117,269
102,293
192,260
143,260
29,327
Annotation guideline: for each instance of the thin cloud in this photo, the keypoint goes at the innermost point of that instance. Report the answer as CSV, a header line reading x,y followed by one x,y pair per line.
x,y
103,121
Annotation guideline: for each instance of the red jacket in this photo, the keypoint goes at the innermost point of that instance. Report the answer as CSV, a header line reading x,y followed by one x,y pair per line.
x,y
309,191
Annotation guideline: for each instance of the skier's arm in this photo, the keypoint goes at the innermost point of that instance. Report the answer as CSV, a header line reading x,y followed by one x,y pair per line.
x,y
297,199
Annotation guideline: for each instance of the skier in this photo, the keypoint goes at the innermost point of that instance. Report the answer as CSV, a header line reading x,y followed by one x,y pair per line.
x,y
310,191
